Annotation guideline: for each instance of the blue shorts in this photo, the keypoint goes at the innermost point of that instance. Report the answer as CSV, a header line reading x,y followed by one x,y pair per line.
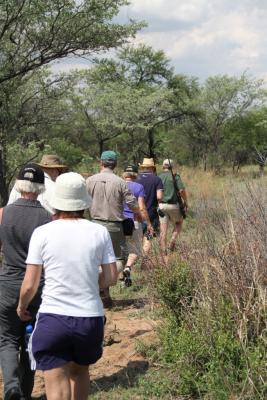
x,y
59,339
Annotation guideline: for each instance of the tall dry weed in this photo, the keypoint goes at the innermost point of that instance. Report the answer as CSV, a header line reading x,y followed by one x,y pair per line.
x,y
221,332
228,252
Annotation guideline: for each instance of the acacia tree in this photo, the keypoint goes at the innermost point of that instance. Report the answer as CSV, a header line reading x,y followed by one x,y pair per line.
x,y
113,109
35,32
26,113
135,65
156,96
221,100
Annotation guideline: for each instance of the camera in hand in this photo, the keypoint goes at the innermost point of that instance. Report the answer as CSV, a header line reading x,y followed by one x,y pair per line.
x,y
160,213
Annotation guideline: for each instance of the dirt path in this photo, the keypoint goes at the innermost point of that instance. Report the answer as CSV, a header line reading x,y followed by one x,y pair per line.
x,y
120,364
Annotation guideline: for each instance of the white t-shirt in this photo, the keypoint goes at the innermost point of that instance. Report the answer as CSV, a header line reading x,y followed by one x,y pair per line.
x,y
71,252
44,197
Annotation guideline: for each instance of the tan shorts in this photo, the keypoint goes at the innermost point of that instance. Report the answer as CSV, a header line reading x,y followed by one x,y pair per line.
x,y
172,213
135,242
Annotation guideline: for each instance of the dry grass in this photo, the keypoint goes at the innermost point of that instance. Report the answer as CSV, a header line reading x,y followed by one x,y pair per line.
x,y
224,242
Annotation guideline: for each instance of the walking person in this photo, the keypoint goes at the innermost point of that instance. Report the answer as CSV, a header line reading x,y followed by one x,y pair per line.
x,y
134,242
109,193
153,196
69,330
170,208
52,167
18,221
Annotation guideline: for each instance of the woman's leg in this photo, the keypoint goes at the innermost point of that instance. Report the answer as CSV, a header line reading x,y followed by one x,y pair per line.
x,y
57,383
79,381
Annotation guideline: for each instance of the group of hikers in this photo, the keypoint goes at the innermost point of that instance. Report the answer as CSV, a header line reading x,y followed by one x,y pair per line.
x,y
57,265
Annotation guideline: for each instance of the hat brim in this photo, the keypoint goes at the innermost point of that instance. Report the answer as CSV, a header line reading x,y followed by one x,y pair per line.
x,y
58,166
70,204
147,166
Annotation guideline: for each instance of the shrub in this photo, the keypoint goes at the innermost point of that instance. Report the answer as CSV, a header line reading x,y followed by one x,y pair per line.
x,y
173,286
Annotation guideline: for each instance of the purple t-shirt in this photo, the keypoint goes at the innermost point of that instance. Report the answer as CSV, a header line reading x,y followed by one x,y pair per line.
x,y
151,184
138,191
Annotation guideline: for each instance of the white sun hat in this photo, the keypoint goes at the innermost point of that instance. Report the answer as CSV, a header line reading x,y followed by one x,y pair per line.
x,y
70,193
168,162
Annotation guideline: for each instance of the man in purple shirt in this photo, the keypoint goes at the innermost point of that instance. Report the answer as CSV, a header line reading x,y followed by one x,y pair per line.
x,y
153,195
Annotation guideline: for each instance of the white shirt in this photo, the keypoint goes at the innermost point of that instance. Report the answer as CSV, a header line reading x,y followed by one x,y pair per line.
x,y
71,252
44,198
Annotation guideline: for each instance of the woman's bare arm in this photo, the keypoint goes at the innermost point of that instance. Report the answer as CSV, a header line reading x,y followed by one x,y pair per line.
x,y
108,276
28,290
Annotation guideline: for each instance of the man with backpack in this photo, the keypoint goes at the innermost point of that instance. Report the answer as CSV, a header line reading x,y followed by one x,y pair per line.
x,y
173,206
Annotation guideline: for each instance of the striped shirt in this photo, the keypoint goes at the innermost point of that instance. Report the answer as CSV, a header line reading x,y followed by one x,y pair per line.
x,y
18,223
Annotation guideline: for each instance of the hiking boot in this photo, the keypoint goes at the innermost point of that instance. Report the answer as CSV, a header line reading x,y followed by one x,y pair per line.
x,y
127,277
172,247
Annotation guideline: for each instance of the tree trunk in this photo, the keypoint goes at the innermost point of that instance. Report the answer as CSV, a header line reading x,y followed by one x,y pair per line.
x,y
204,162
151,143
3,180
101,146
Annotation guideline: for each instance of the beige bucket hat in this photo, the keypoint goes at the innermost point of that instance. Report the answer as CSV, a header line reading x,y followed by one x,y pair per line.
x,y
148,163
51,161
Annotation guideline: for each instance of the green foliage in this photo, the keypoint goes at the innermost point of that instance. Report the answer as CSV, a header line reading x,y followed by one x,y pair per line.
x,y
144,65
22,154
116,109
209,359
67,151
34,33
53,29
173,285
220,102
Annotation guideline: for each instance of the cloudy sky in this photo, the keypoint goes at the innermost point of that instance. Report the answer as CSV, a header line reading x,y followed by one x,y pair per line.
x,y
202,37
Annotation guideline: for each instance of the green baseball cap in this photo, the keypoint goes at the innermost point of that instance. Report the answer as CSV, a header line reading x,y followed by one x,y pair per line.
x,y
109,155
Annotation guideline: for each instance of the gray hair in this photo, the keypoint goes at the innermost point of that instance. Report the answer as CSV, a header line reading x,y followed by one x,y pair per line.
x,y
132,175
23,186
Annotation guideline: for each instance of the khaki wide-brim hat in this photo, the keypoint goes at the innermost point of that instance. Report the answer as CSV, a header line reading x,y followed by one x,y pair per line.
x,y
148,163
51,161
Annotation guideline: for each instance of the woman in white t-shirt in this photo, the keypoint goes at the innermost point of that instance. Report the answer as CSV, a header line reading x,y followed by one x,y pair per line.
x,y
68,334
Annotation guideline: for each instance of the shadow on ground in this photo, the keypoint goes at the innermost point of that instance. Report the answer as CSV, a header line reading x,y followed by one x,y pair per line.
x,y
125,377
136,303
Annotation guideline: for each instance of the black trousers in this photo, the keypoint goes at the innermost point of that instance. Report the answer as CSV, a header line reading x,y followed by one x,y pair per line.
x,y
14,359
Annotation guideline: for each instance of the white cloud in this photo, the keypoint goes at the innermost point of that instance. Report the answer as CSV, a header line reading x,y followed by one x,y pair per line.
x,y
180,10
225,37
201,37
68,65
